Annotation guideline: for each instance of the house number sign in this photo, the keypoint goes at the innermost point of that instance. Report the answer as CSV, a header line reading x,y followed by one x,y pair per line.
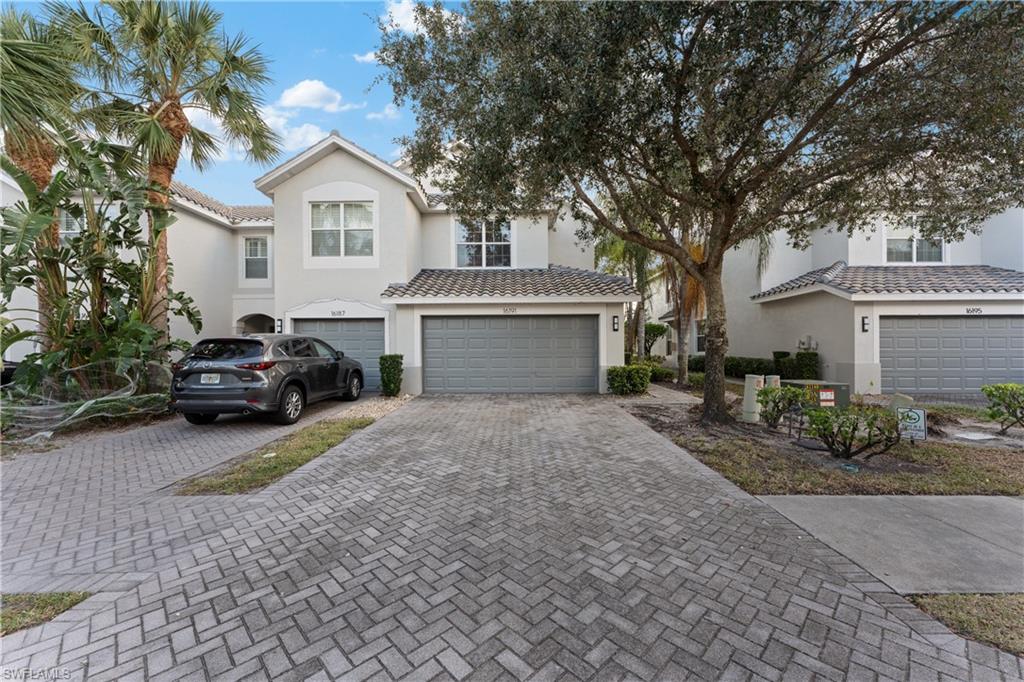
x,y
509,310
974,311
337,313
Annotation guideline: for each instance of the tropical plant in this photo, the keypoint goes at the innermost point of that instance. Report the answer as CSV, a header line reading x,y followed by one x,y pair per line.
x,y
391,374
154,61
1006,404
768,117
652,332
100,317
687,296
38,89
776,401
639,266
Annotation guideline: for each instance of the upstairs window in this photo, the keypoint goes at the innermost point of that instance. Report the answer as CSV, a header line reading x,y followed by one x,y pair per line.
x,y
486,244
342,229
903,245
257,259
69,227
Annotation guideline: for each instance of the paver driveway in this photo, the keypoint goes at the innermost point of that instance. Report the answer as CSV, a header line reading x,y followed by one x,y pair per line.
x,y
494,537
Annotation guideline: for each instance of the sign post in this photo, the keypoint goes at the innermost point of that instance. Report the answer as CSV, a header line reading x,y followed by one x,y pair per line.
x,y
913,423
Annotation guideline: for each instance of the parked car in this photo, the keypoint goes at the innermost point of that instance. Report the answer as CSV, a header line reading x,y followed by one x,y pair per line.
x,y
272,374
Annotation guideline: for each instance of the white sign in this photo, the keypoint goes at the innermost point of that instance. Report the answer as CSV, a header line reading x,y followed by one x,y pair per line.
x,y
913,422
827,397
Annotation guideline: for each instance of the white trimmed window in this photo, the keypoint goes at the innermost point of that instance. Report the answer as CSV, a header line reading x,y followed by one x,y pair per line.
x,y
902,245
341,229
486,244
701,335
257,258
70,227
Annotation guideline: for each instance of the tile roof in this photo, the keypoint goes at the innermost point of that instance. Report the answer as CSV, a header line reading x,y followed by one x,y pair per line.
x,y
906,279
555,280
234,214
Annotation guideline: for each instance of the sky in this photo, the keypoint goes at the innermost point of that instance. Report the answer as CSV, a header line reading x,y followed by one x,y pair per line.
x,y
323,72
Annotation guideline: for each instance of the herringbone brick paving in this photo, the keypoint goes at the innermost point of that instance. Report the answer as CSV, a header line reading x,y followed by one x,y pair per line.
x,y
472,538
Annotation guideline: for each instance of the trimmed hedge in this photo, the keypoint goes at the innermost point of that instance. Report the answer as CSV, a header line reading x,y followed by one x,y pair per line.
x,y
391,374
659,373
629,379
804,366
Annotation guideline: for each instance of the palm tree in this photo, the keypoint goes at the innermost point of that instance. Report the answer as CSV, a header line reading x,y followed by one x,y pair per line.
x,y
154,61
639,266
687,296
38,89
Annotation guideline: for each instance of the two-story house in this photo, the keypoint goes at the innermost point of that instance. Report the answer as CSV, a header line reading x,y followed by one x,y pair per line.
x,y
886,310
360,253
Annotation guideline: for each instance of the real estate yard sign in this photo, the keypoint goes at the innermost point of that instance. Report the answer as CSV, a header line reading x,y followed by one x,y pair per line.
x,y
913,422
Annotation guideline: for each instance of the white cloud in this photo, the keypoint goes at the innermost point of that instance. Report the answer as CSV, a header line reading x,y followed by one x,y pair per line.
x,y
315,94
402,14
388,113
366,58
293,137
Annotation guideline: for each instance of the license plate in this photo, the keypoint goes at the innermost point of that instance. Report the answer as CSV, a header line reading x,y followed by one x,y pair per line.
x,y
209,378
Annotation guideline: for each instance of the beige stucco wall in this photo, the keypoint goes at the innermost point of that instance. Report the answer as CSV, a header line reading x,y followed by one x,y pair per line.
x,y
435,241
204,256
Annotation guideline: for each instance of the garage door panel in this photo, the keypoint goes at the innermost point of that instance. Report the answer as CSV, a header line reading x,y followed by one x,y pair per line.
x,y
950,354
528,354
362,340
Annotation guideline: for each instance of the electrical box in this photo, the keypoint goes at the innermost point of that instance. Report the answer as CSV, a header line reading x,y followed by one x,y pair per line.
x,y
822,393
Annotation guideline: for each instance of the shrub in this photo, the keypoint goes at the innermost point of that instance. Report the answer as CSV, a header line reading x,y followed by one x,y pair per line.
x,y
695,363
1006,404
696,381
775,401
780,354
854,431
786,368
808,365
659,373
629,379
391,374
739,367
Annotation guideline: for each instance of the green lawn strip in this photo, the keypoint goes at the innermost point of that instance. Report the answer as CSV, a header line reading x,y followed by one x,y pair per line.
x,y
996,619
958,411
957,470
257,471
25,610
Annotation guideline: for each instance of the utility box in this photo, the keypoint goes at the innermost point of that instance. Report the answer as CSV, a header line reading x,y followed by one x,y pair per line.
x,y
822,393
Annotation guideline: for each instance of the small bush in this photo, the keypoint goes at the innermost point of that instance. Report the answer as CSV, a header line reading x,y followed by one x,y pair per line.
x,y
696,381
652,332
739,366
777,401
780,354
808,365
786,368
695,363
629,379
655,360
659,373
1006,404
854,431
391,374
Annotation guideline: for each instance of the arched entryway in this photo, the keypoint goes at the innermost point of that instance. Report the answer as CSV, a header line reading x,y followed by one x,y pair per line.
x,y
257,323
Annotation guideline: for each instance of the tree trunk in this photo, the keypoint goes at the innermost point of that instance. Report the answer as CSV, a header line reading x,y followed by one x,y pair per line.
x,y
716,343
171,118
37,156
683,349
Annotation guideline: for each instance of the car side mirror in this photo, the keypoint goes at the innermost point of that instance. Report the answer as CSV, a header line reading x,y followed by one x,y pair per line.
x,y
340,354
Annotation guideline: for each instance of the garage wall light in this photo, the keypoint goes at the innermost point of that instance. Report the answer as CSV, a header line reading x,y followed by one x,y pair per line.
x,y
615,323
280,325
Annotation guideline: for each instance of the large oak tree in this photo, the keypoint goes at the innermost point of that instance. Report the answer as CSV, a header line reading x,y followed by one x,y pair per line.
x,y
760,116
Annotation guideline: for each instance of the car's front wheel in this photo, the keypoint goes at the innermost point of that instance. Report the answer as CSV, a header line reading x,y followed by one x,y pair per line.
x,y
291,406
200,419
355,387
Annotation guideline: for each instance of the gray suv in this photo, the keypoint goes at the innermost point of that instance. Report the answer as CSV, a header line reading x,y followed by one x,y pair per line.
x,y
273,374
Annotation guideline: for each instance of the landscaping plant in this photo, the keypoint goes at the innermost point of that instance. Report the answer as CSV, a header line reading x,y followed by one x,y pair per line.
x,y
629,379
776,401
391,374
652,332
854,431
1006,404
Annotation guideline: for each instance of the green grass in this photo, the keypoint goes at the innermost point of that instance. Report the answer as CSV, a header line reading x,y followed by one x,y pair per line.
x,y
25,610
256,470
761,469
996,619
958,411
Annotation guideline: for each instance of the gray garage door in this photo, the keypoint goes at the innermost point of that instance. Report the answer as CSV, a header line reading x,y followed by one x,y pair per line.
x,y
542,354
949,355
359,339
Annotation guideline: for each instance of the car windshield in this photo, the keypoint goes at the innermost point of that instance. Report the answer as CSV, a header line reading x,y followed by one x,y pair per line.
x,y
226,349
